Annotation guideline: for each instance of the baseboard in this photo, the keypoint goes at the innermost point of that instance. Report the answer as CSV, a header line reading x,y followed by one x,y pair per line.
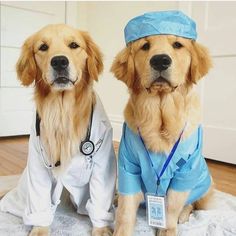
x,y
117,124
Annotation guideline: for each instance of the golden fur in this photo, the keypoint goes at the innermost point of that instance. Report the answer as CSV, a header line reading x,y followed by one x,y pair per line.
x,y
64,112
160,110
39,231
160,113
126,214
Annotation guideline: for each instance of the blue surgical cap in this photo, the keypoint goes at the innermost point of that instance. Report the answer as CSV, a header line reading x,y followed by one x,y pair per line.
x,y
157,23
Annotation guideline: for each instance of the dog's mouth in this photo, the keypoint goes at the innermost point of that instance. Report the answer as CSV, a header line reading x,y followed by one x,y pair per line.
x,y
161,81
63,81
161,84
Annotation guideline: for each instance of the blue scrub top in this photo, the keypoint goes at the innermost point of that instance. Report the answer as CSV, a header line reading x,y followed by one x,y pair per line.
x,y
187,170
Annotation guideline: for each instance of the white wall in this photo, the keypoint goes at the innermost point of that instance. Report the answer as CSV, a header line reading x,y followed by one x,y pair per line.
x,y
105,22
18,21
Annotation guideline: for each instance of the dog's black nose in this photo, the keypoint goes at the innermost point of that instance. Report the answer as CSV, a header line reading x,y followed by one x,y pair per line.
x,y
59,62
160,62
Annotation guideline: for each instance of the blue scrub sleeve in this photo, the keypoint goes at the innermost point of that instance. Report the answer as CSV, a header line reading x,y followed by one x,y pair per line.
x,y
129,174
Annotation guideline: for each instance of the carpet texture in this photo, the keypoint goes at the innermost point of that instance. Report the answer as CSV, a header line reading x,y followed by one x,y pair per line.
x,y
218,222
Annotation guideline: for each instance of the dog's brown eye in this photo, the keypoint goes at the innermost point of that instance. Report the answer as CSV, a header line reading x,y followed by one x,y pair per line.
x,y
43,47
73,45
146,46
177,45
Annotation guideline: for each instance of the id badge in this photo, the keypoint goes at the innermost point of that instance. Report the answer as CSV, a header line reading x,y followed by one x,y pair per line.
x,y
156,211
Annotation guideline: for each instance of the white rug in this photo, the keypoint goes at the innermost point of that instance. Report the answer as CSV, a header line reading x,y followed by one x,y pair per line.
x,y
218,222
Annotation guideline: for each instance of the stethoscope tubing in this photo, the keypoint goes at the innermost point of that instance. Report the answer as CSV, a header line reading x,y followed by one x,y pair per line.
x,y
42,155
86,140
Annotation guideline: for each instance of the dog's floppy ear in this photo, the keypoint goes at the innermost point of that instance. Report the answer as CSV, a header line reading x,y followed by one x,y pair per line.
x,y
94,61
123,67
200,62
26,67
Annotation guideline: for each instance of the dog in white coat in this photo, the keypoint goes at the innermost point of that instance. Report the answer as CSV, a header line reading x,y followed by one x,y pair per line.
x,y
71,138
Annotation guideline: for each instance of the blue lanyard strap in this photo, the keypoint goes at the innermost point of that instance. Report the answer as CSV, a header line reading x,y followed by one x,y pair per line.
x,y
168,158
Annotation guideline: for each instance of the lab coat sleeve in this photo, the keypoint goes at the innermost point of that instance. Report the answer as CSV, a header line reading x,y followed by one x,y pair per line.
x,y
102,184
129,173
38,209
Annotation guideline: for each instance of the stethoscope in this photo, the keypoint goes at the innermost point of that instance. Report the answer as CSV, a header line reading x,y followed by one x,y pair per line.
x,y
86,146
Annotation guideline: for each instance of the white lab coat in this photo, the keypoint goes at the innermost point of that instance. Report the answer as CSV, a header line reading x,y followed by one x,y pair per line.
x,y
91,182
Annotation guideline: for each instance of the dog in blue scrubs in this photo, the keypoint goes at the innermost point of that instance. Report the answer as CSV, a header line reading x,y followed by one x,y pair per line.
x,y
160,155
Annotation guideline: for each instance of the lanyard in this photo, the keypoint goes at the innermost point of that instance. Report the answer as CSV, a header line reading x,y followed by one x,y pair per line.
x,y
167,160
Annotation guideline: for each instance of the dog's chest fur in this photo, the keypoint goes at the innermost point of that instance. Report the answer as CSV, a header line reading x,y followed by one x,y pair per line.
x,y
61,132
161,119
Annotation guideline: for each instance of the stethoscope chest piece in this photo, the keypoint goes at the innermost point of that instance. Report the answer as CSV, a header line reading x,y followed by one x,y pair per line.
x,y
87,147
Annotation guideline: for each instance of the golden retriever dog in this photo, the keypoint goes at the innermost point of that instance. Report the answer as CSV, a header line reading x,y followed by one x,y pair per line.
x,y
63,62
160,72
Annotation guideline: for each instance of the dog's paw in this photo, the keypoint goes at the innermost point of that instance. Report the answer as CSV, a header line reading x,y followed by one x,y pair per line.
x,y
160,232
166,232
39,231
104,231
184,217
185,213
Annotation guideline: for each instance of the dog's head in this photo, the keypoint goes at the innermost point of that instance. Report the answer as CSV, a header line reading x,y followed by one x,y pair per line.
x,y
161,63
59,57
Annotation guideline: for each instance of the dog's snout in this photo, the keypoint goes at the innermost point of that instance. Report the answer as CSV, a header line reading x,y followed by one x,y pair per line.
x,y
59,62
160,62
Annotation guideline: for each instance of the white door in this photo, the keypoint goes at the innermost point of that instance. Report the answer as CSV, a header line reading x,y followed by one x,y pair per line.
x,y
18,21
216,24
